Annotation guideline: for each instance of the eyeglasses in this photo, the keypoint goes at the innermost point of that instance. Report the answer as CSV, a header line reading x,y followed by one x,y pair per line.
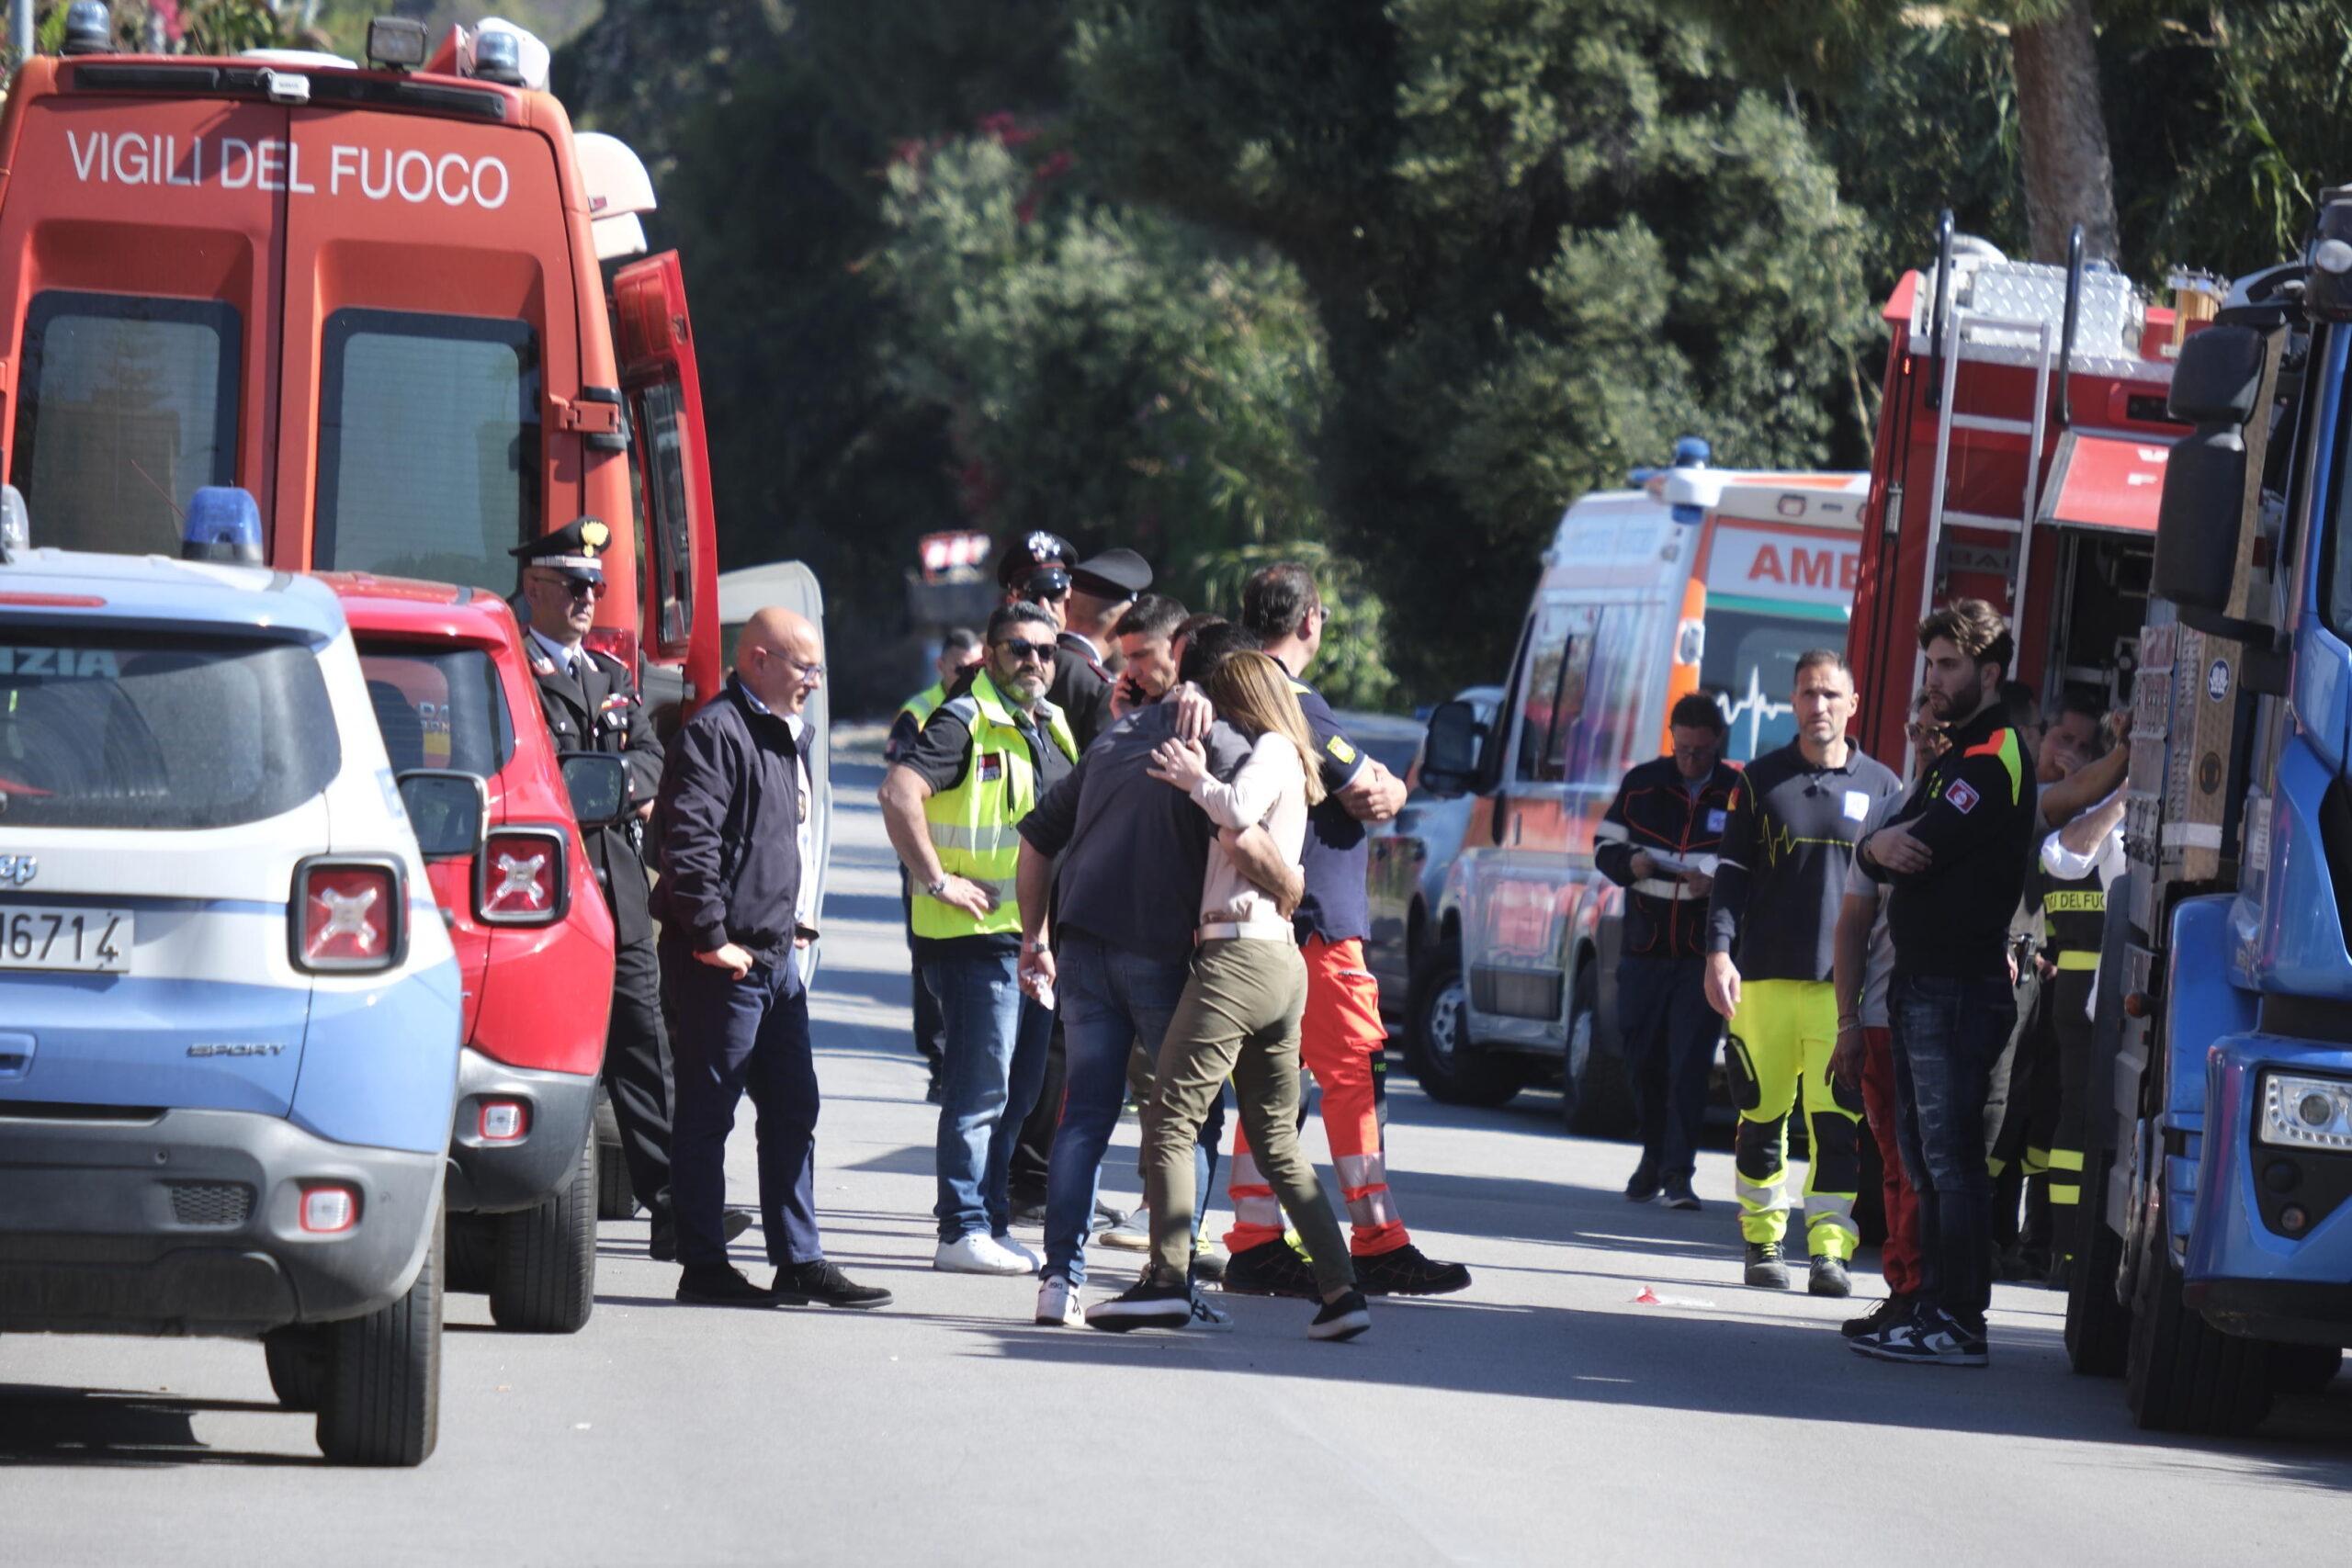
x,y
814,671
1027,652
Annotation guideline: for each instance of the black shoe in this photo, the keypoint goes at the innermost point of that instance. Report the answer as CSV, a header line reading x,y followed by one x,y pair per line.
x,y
1930,1337
1642,1186
1405,1272
719,1284
1146,1303
822,1283
662,1245
1029,1213
1765,1269
1270,1268
1106,1218
1829,1278
934,1092
1342,1319
1678,1194
1892,1310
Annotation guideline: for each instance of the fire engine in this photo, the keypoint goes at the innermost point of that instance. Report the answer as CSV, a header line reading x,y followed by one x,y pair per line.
x,y
2151,495
373,295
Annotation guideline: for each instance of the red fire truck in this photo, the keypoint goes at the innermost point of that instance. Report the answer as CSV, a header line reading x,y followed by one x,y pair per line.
x,y
2019,456
373,295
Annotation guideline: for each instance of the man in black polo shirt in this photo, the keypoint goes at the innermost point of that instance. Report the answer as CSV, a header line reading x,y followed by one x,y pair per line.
x,y
1955,853
1786,851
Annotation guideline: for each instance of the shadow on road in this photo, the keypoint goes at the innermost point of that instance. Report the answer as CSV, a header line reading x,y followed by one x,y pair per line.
x,y
40,1425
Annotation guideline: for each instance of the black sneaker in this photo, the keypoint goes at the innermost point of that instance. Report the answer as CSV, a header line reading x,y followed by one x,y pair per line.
x,y
1678,1194
1342,1319
1887,1314
1146,1303
1405,1272
720,1285
1765,1269
823,1283
1642,1186
1829,1278
1930,1337
1270,1268
662,1245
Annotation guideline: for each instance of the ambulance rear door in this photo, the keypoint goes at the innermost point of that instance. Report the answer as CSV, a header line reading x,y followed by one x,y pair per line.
x,y
431,343
139,279
654,340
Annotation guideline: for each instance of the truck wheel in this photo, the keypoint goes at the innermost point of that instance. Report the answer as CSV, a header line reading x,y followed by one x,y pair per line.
x,y
1596,1089
543,1272
616,1198
298,1365
2304,1368
2182,1374
380,1403
1438,1048
2098,1326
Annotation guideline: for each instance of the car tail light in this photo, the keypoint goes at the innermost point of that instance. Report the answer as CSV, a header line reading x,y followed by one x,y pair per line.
x,y
502,1121
329,1208
348,915
518,876
613,642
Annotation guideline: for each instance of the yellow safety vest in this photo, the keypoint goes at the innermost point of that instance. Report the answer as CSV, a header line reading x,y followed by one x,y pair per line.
x,y
972,824
923,703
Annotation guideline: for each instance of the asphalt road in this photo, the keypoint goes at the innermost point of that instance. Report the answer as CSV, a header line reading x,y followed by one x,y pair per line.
x,y
1543,1417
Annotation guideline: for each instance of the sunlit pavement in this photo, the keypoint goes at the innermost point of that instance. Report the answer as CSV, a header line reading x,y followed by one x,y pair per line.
x,y
1545,1417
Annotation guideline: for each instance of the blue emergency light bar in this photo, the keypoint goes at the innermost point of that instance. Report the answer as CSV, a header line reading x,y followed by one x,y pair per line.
x,y
223,524
1690,452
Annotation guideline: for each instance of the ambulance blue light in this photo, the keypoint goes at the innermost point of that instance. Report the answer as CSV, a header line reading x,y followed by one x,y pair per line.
x,y
1692,452
223,524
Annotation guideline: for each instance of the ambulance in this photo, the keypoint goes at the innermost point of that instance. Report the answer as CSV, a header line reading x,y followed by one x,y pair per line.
x,y
1702,579
373,295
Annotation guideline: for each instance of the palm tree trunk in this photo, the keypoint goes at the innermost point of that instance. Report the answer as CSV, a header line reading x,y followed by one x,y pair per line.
x,y
2062,134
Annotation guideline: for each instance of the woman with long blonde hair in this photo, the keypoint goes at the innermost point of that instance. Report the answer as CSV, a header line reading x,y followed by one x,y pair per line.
x,y
1240,1010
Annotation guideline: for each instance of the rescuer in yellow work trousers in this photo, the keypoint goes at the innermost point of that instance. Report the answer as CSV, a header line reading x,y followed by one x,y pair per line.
x,y
1772,922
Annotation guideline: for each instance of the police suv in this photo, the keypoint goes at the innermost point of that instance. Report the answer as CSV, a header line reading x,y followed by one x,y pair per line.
x,y
229,1010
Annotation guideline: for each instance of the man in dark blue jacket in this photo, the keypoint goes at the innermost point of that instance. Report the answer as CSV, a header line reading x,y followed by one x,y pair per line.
x,y
1659,842
735,840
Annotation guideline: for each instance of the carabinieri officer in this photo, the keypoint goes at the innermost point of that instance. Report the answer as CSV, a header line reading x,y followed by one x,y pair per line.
x,y
592,704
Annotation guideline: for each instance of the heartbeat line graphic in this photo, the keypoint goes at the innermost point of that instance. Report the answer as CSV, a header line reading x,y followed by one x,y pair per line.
x,y
1755,708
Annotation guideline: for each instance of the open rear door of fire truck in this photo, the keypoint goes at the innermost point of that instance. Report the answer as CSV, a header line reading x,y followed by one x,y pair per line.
x,y
653,336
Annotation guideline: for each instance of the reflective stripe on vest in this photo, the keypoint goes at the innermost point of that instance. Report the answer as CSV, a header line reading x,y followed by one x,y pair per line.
x,y
923,703
972,825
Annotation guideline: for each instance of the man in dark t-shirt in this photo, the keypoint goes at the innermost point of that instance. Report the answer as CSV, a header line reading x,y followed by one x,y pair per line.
x,y
1342,1038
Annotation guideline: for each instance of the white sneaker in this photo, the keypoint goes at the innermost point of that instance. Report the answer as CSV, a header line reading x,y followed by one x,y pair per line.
x,y
977,1252
1058,1305
1020,1251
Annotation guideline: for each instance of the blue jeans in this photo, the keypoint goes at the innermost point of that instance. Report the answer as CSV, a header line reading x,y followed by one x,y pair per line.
x,y
1947,1035
1109,999
995,1058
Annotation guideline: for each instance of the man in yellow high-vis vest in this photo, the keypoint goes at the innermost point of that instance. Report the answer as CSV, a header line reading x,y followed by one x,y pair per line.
x,y
951,804
959,655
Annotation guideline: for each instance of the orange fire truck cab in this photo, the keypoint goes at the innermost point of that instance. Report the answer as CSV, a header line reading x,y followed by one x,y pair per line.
x,y
375,298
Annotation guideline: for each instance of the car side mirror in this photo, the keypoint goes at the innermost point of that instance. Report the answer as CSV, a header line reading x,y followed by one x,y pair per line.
x,y
598,782
1450,757
447,811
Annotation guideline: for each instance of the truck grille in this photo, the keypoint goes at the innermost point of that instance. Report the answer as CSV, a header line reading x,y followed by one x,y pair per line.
x,y
211,1203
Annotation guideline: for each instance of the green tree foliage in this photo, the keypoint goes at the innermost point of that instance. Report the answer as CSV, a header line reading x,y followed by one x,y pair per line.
x,y
1544,238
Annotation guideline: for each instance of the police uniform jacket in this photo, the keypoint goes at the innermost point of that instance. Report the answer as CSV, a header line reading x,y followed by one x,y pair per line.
x,y
1081,689
603,711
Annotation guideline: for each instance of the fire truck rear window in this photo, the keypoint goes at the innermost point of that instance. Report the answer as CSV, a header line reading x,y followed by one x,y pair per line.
x,y
129,406
428,446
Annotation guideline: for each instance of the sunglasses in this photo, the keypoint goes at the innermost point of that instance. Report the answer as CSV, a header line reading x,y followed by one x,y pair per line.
x,y
579,588
1027,652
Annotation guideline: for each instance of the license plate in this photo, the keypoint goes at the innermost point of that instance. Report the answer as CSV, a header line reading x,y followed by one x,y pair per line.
x,y
88,940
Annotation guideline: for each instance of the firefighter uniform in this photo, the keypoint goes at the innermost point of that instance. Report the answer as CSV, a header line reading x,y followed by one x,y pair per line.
x,y
1670,1032
2074,909
1787,847
591,703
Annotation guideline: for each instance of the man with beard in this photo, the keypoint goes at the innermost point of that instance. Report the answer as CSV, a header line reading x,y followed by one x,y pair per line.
x,y
1955,855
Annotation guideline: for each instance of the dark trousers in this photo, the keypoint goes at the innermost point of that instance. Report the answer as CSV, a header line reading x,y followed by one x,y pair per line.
x,y
738,1037
931,1024
1032,1151
1947,1034
1669,1034
638,1075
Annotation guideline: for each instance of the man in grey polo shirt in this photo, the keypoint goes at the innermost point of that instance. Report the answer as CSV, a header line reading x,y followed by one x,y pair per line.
x,y
1124,904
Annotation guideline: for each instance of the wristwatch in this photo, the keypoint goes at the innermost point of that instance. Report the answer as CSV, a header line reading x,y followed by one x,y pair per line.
x,y
1041,947
937,885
